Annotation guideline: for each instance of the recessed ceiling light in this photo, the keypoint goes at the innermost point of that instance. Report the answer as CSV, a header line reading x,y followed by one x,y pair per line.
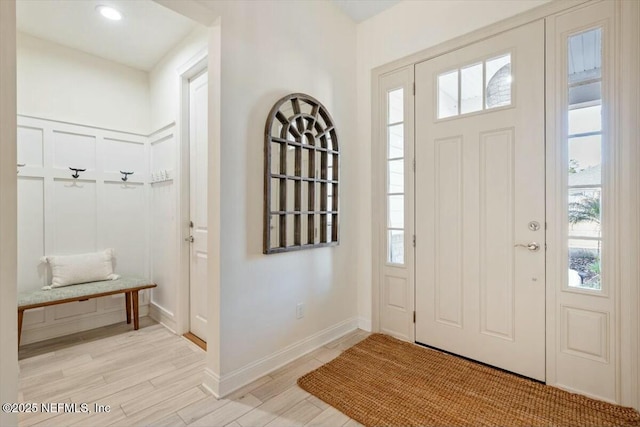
x,y
109,13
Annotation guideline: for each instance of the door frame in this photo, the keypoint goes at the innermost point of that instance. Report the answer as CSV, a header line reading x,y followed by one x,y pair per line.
x,y
193,67
628,273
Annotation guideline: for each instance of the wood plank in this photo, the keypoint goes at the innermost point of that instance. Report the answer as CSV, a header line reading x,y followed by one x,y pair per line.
x,y
285,381
161,374
272,408
329,417
201,408
171,421
318,402
228,413
115,417
29,419
165,408
250,387
299,415
161,394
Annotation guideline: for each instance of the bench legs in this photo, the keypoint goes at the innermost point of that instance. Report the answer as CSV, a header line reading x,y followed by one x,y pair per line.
x,y
131,300
136,317
20,316
127,302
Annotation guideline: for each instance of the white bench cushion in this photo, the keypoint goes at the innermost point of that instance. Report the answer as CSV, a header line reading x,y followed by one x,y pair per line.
x,y
69,270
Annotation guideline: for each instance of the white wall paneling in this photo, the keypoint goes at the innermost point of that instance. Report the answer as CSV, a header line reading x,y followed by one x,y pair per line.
x,y
60,215
163,236
497,213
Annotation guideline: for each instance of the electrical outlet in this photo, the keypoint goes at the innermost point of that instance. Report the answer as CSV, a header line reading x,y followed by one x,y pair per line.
x,y
300,311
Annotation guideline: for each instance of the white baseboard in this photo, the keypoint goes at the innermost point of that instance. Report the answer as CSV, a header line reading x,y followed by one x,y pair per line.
x,y
222,386
211,382
584,393
73,325
364,324
163,316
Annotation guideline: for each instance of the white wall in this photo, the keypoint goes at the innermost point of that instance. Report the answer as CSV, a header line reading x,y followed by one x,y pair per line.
x,y
270,49
404,29
163,78
163,238
8,209
58,83
164,84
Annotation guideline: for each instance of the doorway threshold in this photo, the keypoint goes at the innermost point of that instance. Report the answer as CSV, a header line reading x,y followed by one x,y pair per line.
x,y
197,341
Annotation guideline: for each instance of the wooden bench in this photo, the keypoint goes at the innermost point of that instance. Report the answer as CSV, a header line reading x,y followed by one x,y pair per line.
x,y
128,286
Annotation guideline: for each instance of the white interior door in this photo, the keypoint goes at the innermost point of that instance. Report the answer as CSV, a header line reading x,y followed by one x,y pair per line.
x,y
198,144
480,200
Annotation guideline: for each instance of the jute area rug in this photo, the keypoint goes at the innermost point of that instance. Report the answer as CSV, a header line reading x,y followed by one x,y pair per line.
x,y
385,382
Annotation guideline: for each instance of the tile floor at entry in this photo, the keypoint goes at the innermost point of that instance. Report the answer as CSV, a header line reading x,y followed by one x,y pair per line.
x,y
153,377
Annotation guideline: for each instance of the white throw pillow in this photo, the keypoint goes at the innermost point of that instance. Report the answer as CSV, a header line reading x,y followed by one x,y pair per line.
x,y
69,270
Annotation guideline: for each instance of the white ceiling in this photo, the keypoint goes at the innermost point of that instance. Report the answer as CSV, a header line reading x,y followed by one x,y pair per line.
x,y
359,10
145,34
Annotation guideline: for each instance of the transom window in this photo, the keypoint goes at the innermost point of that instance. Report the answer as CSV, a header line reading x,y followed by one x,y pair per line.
x,y
475,87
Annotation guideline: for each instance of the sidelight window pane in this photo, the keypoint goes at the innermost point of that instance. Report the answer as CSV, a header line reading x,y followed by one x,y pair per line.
x,y
396,212
584,264
396,176
585,158
586,119
584,145
396,106
584,212
448,94
396,141
395,247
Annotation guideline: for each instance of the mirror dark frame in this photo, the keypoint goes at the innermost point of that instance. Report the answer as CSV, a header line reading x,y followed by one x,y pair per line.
x,y
301,176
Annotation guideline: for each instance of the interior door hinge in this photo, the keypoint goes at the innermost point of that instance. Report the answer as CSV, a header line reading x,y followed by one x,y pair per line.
x,y
414,240
414,317
414,88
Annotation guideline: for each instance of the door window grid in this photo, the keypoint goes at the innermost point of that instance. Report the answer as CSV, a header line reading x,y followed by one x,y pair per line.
x,y
475,87
584,147
395,177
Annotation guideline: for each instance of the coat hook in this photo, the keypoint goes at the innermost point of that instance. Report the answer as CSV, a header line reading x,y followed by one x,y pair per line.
x,y
76,175
21,165
125,175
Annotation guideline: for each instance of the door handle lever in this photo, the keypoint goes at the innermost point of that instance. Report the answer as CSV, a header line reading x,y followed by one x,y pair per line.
x,y
533,246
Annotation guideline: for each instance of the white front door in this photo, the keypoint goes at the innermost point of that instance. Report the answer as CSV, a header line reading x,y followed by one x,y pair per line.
x,y
198,141
480,200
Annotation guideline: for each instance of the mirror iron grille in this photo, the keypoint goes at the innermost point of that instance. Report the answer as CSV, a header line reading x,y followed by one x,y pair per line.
x,y
301,174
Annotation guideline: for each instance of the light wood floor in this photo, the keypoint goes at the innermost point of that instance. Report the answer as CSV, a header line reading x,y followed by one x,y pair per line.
x,y
152,377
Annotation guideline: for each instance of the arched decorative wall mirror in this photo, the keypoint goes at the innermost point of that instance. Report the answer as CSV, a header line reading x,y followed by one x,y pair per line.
x,y
302,160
